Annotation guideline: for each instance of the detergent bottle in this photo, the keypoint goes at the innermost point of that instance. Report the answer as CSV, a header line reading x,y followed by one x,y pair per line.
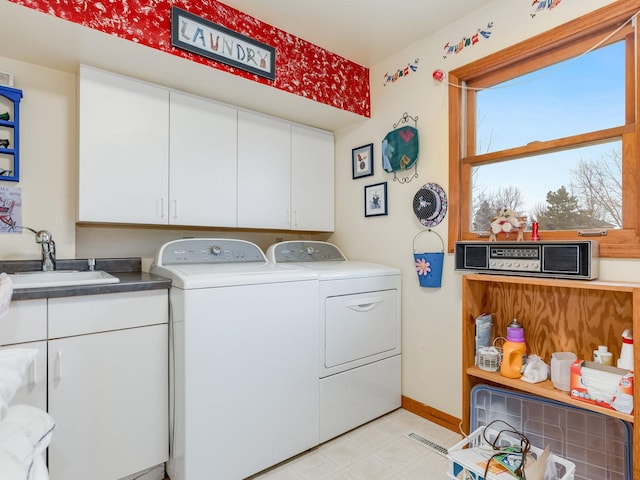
x,y
513,351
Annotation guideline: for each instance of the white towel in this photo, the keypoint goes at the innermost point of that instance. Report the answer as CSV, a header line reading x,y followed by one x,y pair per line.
x,y
6,290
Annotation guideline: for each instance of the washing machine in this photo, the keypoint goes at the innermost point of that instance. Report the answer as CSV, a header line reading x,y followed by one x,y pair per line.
x,y
244,386
359,347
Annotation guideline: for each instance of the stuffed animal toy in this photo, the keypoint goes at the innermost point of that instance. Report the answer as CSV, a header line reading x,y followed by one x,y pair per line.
x,y
507,221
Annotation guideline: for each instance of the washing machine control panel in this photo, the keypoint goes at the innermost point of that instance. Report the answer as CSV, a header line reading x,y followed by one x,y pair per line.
x,y
299,251
209,251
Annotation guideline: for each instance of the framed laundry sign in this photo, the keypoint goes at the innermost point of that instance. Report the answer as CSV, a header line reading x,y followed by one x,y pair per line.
x,y
202,37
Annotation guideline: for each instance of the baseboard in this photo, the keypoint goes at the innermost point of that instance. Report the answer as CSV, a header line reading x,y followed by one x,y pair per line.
x,y
433,415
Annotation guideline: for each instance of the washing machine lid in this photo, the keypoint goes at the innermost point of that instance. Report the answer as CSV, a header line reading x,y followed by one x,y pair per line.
x,y
213,262
188,277
349,269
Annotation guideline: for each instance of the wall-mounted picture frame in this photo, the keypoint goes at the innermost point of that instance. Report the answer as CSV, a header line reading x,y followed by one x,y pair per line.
x,y
362,158
208,39
375,200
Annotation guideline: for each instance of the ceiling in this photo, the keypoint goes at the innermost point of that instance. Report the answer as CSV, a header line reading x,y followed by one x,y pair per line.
x,y
363,31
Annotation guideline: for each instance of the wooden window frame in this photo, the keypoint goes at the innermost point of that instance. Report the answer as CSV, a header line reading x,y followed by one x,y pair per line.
x,y
549,47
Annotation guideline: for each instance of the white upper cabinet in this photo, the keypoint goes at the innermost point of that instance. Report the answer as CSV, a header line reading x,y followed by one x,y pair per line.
x,y
312,179
149,155
202,167
124,149
264,172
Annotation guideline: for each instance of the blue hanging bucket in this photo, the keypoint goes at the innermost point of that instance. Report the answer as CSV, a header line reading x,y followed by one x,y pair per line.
x,y
429,264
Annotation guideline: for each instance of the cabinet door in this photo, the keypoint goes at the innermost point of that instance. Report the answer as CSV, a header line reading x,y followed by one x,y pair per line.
x,y
124,148
264,172
34,387
203,159
312,182
108,395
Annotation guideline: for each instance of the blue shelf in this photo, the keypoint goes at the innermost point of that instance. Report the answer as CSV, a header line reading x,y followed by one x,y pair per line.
x,y
14,95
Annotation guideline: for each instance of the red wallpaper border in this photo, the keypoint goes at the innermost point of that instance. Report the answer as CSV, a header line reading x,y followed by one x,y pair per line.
x,y
302,68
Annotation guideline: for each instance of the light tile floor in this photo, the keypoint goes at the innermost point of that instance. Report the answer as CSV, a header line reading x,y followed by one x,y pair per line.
x,y
379,450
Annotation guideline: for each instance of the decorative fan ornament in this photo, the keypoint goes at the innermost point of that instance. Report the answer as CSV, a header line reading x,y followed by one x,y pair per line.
x,y
430,204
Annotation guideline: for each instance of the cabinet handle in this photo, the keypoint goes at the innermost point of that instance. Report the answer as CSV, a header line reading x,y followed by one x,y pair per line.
x,y
295,218
175,208
161,212
59,365
33,375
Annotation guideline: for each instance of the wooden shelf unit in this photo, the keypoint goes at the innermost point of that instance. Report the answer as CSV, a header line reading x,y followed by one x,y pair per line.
x,y
557,315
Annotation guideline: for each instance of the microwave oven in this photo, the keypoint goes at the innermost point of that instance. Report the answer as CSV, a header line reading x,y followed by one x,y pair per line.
x,y
557,259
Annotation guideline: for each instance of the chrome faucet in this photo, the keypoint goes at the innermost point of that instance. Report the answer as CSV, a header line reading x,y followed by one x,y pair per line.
x,y
45,239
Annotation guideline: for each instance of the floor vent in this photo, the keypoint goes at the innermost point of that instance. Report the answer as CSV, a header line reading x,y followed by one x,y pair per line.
x,y
439,449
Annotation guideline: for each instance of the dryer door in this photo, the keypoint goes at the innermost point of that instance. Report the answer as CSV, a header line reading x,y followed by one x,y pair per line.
x,y
361,326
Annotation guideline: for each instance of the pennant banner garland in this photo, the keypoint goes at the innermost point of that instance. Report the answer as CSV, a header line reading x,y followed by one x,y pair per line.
x,y
401,72
468,41
541,5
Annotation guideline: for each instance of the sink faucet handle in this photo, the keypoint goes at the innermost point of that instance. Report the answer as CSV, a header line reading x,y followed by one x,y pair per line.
x,y
44,236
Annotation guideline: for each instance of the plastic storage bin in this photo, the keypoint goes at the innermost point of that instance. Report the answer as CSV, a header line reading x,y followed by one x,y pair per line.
x,y
468,463
599,445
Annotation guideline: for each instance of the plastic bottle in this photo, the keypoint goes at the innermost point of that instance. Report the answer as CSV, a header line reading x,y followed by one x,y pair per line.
x,y
602,355
513,351
626,352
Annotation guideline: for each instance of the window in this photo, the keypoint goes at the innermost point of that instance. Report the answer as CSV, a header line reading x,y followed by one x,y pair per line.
x,y
548,128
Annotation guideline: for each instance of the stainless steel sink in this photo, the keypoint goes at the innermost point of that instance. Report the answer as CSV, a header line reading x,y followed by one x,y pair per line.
x,y
60,278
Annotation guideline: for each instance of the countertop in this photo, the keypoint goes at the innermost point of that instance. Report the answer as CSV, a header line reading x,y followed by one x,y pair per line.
x,y
128,270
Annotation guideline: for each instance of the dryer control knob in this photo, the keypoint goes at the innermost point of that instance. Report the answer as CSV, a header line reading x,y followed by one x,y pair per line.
x,y
216,250
310,251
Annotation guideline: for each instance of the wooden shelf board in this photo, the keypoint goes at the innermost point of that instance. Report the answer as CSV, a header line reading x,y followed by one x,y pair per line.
x,y
543,389
557,283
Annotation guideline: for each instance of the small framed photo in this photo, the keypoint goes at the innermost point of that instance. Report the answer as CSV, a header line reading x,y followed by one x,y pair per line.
x,y
375,199
362,158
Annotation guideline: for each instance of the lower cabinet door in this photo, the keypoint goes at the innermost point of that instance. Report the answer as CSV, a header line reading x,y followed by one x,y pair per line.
x,y
34,385
108,396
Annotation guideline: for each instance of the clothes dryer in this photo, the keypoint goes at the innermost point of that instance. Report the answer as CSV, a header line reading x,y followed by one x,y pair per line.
x,y
244,334
359,334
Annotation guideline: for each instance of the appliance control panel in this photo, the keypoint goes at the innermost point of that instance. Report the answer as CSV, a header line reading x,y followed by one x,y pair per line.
x,y
208,251
300,251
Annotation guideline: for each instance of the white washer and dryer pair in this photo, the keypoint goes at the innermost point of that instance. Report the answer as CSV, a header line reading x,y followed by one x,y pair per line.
x,y
359,334
271,358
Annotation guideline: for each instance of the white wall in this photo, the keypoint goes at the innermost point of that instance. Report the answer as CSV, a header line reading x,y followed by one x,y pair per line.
x,y
431,317
48,159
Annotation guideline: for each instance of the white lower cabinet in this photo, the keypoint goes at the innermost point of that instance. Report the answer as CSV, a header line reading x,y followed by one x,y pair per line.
x,y
108,395
102,373
25,326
